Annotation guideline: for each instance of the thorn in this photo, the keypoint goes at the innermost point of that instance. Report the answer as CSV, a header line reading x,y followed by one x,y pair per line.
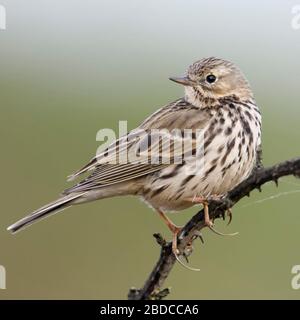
x,y
159,239
159,295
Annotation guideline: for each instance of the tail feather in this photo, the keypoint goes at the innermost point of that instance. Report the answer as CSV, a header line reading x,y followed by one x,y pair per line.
x,y
43,212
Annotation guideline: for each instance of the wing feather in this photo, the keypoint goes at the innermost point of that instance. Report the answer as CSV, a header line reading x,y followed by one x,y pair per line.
x,y
140,145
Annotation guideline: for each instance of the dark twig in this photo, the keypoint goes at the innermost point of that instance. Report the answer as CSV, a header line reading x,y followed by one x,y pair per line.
x,y
217,209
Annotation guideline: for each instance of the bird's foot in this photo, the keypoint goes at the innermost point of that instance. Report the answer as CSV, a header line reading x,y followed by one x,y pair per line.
x,y
207,221
176,231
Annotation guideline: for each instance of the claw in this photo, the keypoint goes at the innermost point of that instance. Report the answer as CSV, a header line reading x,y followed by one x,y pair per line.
x,y
201,238
222,234
198,234
187,251
209,223
176,252
229,213
183,264
186,258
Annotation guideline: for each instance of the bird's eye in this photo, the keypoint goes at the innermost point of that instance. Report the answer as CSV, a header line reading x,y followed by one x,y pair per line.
x,y
211,78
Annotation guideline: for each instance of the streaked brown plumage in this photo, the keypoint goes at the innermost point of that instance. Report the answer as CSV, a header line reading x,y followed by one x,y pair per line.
x,y
218,100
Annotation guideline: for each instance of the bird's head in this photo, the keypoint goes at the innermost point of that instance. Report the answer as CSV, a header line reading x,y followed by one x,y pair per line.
x,y
214,79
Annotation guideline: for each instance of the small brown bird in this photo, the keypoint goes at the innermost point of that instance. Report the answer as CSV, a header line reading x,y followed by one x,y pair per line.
x,y
219,103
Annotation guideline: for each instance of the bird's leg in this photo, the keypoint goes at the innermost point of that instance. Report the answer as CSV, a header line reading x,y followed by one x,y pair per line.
x,y
207,221
175,231
173,228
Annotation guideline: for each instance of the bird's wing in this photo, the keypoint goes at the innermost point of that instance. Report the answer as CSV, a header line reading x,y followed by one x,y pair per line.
x,y
141,151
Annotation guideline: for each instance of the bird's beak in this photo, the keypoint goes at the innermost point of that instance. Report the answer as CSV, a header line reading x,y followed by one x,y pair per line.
x,y
186,81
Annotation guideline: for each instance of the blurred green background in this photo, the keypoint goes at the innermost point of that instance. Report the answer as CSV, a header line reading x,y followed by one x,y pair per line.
x,y
70,68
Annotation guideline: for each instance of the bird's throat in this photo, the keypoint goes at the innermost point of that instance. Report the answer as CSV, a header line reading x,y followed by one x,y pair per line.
x,y
198,98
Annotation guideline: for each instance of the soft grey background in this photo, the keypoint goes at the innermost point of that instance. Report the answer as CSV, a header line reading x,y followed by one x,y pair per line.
x,y
70,68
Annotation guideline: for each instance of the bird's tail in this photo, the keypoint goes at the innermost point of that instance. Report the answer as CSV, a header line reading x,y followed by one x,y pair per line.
x,y
45,211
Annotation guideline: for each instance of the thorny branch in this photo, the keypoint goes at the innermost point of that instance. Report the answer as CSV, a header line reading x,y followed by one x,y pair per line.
x,y
217,209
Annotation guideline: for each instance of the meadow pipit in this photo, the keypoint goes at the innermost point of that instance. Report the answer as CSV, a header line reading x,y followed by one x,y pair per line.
x,y
218,101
